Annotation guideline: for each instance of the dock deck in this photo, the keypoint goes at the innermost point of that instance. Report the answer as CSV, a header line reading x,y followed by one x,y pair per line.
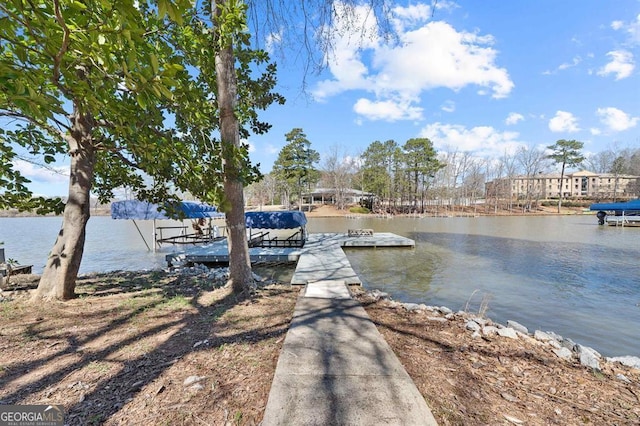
x,y
321,258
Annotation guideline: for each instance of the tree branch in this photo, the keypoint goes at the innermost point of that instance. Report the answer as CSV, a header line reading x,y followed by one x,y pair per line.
x,y
22,116
57,59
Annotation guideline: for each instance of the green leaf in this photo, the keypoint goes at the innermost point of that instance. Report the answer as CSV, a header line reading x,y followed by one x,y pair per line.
x,y
174,14
19,87
140,98
162,8
154,63
165,91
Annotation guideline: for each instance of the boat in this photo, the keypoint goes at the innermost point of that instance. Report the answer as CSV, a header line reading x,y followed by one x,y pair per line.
x,y
618,214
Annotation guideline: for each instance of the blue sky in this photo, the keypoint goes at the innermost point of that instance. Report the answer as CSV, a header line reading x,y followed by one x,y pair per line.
x,y
481,77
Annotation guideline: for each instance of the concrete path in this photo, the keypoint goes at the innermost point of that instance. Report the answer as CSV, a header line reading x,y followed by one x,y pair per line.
x,y
336,369
328,262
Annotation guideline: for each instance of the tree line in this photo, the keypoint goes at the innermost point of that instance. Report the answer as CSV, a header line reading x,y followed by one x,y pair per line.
x,y
414,177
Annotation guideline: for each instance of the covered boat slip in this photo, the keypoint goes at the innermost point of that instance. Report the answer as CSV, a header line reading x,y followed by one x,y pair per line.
x,y
618,214
321,257
200,231
261,228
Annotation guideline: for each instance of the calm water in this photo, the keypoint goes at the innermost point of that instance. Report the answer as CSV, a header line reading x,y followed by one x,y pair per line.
x,y
562,274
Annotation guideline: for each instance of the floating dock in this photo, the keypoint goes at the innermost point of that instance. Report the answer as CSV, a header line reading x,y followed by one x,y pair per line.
x,y
321,258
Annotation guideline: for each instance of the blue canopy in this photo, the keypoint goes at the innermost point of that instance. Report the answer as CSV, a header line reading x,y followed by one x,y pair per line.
x,y
633,205
142,210
275,220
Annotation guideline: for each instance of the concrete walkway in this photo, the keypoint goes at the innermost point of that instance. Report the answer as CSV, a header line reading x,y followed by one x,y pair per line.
x,y
336,369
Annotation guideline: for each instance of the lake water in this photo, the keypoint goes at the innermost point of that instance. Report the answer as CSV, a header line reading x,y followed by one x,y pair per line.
x,y
555,273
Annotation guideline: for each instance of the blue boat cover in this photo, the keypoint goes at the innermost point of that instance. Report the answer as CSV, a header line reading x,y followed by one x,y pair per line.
x,y
275,220
633,205
142,210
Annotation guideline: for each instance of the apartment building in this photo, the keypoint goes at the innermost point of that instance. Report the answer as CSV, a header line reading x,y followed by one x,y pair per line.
x,y
581,184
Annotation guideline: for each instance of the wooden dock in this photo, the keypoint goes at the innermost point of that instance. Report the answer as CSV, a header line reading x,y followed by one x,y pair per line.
x,y
321,258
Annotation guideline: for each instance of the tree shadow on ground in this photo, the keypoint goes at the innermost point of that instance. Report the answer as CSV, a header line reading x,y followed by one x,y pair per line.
x,y
111,350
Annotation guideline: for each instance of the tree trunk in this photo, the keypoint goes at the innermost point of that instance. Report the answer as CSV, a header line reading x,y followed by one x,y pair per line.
x,y
58,279
240,274
561,183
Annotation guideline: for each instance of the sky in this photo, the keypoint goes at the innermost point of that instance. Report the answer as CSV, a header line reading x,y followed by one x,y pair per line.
x,y
484,77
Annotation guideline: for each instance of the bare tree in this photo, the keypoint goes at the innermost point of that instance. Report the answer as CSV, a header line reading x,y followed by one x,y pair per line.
x,y
533,162
338,170
600,162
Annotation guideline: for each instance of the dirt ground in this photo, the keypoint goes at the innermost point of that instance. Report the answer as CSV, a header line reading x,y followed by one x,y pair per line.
x,y
142,348
498,380
145,349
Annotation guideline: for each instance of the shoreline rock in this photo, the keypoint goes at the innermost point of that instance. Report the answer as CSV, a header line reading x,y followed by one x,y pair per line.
x,y
481,327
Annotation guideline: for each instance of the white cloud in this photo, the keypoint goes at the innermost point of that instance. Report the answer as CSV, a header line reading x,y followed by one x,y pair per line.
x,y
448,106
616,25
410,16
272,149
483,141
49,175
622,64
446,5
615,119
388,110
576,60
564,122
566,65
595,131
632,29
513,118
273,40
252,147
427,56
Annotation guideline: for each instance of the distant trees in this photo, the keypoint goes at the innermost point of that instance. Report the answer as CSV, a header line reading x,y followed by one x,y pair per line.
x,y
295,165
377,169
420,164
414,177
533,162
617,162
400,175
566,153
337,173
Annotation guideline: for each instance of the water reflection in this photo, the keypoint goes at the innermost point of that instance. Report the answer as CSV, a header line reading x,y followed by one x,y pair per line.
x,y
563,274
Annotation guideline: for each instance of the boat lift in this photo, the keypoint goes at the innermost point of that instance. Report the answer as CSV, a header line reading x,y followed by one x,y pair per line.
x,y
200,212
623,214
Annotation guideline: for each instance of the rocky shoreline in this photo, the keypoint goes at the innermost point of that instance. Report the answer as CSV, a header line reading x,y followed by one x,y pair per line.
x,y
478,326
481,327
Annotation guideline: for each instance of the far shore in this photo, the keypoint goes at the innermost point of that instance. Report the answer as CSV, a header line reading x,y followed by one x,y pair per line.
x,y
329,210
